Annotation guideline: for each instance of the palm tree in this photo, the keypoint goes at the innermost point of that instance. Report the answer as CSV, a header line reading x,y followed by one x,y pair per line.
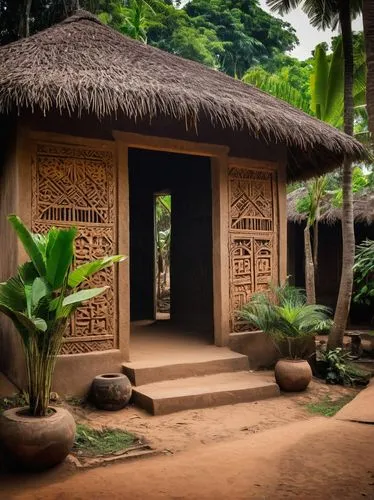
x,y
368,17
326,90
323,14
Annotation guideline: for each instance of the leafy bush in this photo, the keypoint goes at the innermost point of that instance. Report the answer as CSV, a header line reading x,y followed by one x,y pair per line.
x,y
338,369
364,273
284,315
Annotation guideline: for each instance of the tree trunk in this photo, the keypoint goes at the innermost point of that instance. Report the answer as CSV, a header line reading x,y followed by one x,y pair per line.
x,y
315,246
368,17
24,24
346,281
310,286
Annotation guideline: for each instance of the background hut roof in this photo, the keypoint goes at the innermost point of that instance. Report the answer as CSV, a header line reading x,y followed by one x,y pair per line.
x,y
363,207
81,65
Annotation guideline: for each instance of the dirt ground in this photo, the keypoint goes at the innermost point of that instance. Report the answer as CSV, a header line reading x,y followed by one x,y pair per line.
x,y
191,429
270,449
319,459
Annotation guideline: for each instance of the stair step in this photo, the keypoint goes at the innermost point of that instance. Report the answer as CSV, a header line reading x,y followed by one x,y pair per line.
x,y
170,396
208,361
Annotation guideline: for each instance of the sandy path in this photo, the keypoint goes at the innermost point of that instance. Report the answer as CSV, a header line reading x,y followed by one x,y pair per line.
x,y
316,459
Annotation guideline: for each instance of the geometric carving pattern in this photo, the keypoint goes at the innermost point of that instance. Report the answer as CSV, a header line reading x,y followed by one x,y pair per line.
x,y
253,237
251,200
74,185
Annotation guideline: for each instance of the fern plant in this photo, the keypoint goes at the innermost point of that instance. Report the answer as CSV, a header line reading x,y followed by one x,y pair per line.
x,y
40,299
285,317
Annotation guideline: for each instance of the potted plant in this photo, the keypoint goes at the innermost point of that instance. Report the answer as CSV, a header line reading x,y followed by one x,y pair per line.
x,y
289,321
39,300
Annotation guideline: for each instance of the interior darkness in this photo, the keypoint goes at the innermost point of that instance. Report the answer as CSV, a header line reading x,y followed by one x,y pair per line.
x,y
329,266
188,180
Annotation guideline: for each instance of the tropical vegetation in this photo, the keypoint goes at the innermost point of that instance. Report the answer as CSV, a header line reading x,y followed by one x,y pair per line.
x,y
284,315
364,273
40,299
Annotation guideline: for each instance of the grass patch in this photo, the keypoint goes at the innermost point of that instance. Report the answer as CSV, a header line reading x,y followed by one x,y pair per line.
x,y
12,402
329,407
91,442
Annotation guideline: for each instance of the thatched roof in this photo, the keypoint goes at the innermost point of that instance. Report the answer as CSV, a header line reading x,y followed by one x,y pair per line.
x,y
363,207
81,65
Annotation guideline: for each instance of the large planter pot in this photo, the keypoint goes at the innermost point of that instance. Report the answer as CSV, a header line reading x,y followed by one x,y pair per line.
x,y
111,391
37,443
293,375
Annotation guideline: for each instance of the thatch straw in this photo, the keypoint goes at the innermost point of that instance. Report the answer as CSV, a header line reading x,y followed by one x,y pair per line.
x,y
363,207
82,65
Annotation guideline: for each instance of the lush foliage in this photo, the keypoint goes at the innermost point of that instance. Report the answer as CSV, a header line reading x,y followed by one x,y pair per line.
x,y
364,273
229,35
339,370
317,85
284,315
40,299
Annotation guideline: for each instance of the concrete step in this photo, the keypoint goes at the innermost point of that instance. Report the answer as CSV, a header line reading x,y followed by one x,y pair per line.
x,y
205,361
220,389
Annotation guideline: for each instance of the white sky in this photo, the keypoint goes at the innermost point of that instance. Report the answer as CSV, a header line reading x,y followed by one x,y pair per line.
x,y
308,36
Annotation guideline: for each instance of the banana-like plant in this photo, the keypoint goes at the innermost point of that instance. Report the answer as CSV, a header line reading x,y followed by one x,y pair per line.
x,y
40,299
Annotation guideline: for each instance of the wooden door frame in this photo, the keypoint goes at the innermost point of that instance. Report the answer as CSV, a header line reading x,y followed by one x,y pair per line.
x,y
220,258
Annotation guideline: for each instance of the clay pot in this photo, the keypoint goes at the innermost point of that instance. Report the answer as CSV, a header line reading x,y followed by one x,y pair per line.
x,y
293,375
111,391
37,443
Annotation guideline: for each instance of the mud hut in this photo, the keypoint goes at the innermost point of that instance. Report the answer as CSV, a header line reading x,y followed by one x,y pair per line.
x,y
330,245
94,125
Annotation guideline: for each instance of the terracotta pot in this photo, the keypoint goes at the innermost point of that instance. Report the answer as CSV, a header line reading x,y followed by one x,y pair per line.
x,y
37,443
111,391
293,375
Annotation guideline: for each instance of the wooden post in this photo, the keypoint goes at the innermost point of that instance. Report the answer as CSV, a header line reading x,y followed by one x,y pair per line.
x,y
220,210
282,220
123,232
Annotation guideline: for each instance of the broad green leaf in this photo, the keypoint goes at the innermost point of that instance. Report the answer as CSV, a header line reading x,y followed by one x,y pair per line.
x,y
319,82
23,332
28,294
334,109
12,294
26,322
83,295
83,271
27,240
40,324
27,273
51,239
60,257
39,290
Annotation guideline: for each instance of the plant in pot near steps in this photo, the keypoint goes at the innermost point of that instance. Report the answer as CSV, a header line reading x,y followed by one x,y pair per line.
x,y
289,321
39,300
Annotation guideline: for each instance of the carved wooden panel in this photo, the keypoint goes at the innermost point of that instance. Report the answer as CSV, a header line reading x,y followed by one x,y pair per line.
x,y
75,185
253,236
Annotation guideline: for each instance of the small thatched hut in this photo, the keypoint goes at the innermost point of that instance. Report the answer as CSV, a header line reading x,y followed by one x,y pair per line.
x,y
93,125
330,244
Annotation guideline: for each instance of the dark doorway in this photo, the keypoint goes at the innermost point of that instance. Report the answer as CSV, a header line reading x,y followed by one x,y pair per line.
x,y
188,181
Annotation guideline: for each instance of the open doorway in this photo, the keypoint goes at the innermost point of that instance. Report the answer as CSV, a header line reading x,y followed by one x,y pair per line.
x,y
186,273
